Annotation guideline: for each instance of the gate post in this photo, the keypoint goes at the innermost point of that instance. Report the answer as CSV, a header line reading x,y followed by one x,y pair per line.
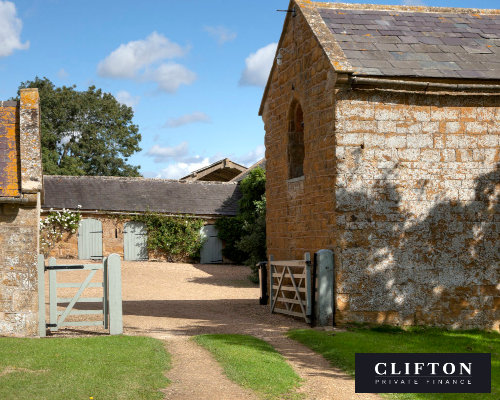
x,y
53,294
307,258
270,272
41,296
262,265
115,294
324,309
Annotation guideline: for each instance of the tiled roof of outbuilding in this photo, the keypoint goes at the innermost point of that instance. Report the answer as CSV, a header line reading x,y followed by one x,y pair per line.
x,y
417,42
105,193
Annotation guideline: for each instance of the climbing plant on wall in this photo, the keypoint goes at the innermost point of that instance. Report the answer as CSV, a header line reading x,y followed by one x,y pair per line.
x,y
176,237
55,225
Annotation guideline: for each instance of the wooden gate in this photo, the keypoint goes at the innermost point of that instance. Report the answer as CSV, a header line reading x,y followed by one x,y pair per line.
x,y
290,287
90,239
135,241
211,252
110,301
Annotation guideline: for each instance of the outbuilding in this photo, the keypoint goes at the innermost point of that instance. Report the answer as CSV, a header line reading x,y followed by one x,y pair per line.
x,y
382,144
107,204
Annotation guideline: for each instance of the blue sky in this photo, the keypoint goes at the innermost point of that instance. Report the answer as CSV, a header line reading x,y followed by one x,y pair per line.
x,y
193,70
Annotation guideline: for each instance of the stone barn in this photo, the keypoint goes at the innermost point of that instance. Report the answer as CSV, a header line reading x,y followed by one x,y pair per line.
x,y
382,144
20,189
107,203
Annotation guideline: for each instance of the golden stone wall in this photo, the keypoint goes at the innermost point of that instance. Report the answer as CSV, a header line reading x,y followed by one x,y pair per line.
x,y
418,218
300,213
20,187
404,187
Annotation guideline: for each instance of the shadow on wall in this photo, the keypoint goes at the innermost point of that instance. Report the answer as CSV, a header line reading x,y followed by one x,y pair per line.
x,y
422,261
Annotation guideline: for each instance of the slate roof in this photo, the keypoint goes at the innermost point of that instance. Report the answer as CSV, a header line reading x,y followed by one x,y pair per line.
x,y
428,43
140,194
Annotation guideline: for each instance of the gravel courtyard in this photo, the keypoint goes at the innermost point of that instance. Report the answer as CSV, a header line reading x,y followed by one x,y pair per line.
x,y
173,302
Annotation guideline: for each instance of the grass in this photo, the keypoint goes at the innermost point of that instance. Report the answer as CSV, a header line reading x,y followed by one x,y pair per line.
x,y
253,364
339,349
108,367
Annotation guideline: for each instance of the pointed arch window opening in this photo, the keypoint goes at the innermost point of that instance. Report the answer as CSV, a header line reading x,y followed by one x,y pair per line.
x,y
295,141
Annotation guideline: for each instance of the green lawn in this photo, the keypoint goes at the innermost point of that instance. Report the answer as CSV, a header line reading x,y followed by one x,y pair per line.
x,y
106,367
253,364
339,349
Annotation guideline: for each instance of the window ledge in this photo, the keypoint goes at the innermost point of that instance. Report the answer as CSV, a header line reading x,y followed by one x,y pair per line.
x,y
298,179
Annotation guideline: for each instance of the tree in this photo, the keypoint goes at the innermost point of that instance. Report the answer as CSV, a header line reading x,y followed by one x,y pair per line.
x,y
245,234
85,132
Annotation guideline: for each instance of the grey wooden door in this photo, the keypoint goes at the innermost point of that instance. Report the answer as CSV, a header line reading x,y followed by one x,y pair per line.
x,y
211,252
90,239
135,241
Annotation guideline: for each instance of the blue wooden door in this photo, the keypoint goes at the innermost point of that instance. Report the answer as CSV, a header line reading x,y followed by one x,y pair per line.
x,y
211,252
90,239
135,241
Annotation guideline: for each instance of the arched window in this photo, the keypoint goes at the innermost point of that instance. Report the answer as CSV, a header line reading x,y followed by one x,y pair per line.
x,y
295,141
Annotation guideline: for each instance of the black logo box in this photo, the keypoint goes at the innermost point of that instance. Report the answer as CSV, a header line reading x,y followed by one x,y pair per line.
x,y
424,373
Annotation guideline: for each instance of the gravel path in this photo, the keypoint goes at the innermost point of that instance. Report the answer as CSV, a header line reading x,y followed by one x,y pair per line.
x,y
174,302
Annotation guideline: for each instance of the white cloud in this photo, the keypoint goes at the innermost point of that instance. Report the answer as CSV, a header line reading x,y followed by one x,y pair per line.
x,y
163,154
221,33
180,169
170,76
141,60
258,66
252,157
196,116
128,59
126,98
10,30
62,74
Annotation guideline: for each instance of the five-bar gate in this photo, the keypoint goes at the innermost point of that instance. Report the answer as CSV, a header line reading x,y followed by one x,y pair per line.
x,y
111,299
302,289
291,287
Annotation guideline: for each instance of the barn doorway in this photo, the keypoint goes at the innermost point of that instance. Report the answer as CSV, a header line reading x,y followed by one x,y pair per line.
x,y
211,252
90,239
135,241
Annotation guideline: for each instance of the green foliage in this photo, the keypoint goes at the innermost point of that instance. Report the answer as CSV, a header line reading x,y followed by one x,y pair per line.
x,y
230,230
178,237
245,234
253,187
253,240
253,364
53,227
104,367
340,347
85,132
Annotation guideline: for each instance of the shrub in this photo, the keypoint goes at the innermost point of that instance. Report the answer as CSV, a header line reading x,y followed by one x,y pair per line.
x,y
176,237
245,234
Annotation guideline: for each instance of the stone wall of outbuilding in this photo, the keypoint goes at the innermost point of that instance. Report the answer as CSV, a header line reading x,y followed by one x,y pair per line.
x,y
404,187
112,238
20,189
300,211
417,204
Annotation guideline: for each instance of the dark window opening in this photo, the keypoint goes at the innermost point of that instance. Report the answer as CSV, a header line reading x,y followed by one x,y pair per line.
x,y
296,141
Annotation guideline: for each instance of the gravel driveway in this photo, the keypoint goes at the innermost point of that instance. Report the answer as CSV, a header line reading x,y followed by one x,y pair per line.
x,y
173,302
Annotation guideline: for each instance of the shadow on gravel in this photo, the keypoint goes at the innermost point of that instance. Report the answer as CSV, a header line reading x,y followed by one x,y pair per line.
x,y
220,275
